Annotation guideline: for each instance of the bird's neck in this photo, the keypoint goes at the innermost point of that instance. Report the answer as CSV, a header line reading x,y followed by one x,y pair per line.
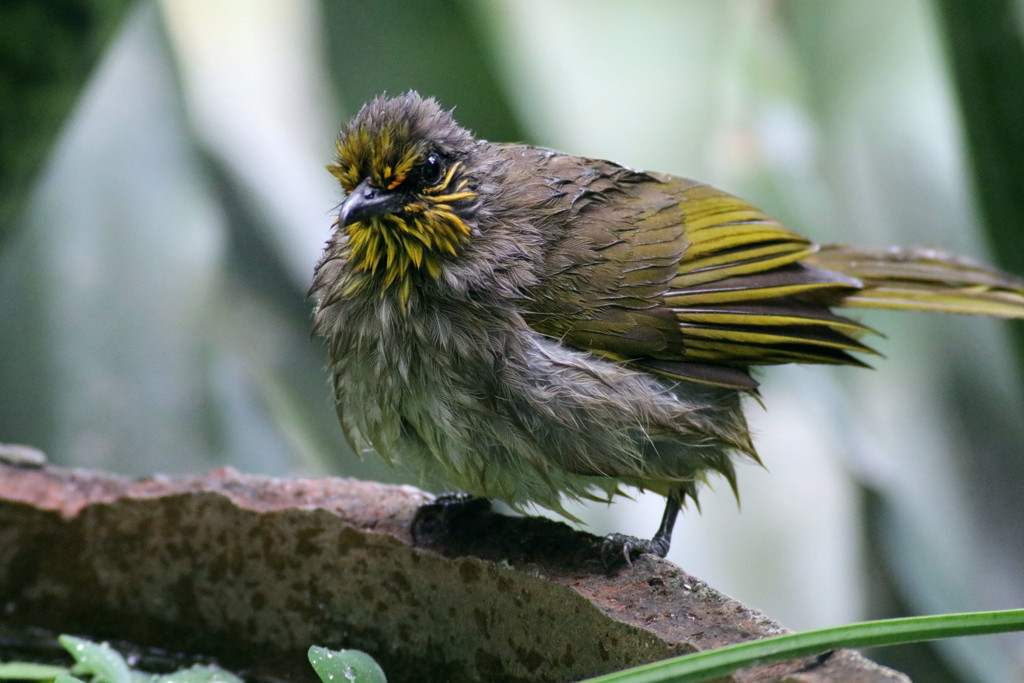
x,y
390,255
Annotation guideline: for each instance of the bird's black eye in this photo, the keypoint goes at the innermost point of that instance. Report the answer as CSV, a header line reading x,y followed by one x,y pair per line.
x,y
432,170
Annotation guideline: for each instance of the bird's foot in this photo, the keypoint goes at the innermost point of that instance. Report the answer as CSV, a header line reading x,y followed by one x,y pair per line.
x,y
619,547
433,517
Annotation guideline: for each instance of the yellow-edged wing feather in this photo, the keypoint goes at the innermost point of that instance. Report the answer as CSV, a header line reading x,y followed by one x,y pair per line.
x,y
695,284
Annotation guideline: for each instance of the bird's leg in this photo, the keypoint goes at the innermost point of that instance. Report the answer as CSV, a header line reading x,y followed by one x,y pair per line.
x,y
435,515
629,547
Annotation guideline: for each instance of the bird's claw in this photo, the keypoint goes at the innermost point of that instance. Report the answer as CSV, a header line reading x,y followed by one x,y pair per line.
x,y
619,547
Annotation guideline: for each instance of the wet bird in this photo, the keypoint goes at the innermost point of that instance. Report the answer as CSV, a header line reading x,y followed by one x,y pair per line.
x,y
531,326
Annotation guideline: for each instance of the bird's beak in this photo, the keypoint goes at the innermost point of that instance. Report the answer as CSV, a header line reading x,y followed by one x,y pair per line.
x,y
367,201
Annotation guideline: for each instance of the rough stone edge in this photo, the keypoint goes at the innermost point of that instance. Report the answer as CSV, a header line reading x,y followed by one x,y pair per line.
x,y
66,532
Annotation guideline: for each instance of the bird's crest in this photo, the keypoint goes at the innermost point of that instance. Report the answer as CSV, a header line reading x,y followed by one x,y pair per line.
x,y
411,149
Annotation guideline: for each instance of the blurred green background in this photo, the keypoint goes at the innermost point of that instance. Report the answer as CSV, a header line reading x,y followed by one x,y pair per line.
x,y
163,201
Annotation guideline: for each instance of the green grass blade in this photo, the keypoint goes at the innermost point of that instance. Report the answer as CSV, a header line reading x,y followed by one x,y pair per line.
x,y
702,666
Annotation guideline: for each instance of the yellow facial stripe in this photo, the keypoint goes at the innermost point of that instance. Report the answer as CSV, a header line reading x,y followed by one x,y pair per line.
x,y
393,177
452,197
390,253
391,249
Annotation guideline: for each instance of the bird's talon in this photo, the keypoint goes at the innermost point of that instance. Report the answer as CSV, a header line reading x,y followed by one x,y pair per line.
x,y
614,544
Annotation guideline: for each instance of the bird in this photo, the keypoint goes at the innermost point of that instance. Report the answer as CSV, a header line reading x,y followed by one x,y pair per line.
x,y
531,326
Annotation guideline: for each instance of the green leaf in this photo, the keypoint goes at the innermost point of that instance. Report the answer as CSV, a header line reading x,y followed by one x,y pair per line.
x,y
333,666
28,671
199,673
100,660
723,661
50,48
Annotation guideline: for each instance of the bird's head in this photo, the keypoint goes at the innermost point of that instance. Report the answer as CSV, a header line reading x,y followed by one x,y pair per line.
x,y
403,163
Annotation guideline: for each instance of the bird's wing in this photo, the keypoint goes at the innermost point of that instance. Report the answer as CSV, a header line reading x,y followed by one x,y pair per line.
x,y
683,279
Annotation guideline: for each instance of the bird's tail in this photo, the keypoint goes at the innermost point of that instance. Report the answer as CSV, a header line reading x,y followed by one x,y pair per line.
x,y
924,280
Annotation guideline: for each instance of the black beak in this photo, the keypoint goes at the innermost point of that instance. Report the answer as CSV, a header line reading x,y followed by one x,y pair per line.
x,y
367,201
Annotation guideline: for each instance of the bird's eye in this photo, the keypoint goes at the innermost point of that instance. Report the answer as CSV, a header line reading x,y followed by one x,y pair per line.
x,y
432,170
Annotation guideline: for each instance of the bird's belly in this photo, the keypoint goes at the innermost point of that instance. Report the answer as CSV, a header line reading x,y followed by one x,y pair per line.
x,y
449,421
540,422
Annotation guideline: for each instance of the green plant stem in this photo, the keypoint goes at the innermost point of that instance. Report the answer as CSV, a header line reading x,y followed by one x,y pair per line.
x,y
702,666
